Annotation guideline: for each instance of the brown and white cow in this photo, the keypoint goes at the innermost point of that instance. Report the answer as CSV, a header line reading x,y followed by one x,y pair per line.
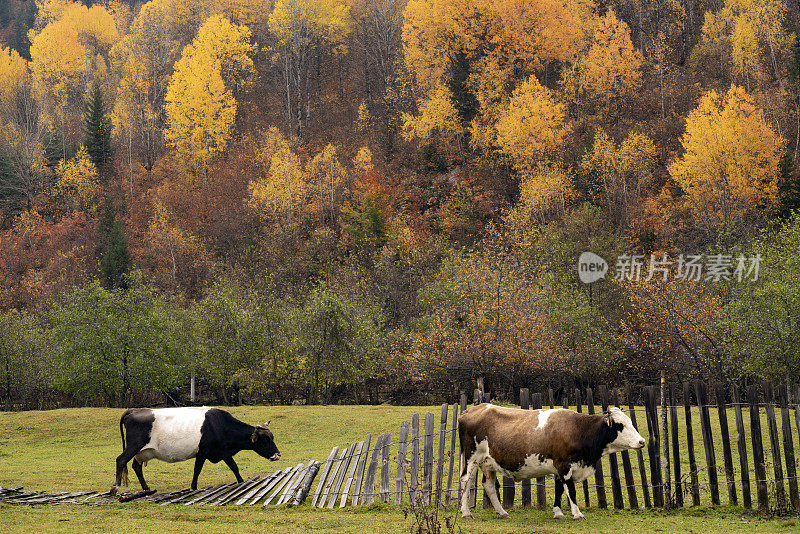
x,y
524,444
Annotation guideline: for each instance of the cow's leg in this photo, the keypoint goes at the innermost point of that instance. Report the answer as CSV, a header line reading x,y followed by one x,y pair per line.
x,y
137,468
557,514
198,466
488,486
467,481
573,501
235,468
122,466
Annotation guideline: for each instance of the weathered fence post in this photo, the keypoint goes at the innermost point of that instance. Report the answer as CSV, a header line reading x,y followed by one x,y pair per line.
x,y
667,476
440,464
687,407
788,449
524,403
653,450
400,478
708,440
758,448
414,483
639,454
598,467
427,459
453,434
541,497
741,445
385,475
616,487
585,482
722,410
676,455
775,445
627,469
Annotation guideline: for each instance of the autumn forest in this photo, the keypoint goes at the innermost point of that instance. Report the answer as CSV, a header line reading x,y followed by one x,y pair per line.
x,y
322,201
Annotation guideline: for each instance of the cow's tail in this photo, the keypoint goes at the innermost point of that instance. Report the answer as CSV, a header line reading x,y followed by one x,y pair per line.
x,y
122,435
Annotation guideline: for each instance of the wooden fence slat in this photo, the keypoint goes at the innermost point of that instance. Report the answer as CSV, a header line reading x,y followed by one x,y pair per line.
x,y
599,483
354,461
368,492
462,402
525,491
788,449
341,471
427,459
332,475
585,482
237,491
414,483
653,450
292,485
385,475
276,477
400,479
440,463
453,434
676,454
616,486
323,476
693,473
758,448
305,486
550,398
741,445
282,484
722,410
775,445
708,440
541,497
627,469
362,464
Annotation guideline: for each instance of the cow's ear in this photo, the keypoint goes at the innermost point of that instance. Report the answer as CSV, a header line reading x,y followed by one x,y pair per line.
x,y
254,437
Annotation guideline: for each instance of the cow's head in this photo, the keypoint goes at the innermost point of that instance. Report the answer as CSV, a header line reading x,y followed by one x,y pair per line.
x,y
264,442
627,437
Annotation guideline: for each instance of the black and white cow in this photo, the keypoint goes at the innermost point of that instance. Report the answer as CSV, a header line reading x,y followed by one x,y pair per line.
x,y
524,444
178,434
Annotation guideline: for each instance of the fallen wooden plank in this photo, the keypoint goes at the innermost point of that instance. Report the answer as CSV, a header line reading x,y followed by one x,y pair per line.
x,y
266,489
283,483
305,487
191,493
292,486
236,492
137,495
213,491
255,489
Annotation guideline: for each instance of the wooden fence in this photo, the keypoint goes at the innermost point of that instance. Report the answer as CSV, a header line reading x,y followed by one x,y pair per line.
x,y
698,447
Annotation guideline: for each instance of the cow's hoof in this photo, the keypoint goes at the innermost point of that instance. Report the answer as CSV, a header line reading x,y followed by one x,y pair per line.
x,y
113,490
557,514
579,517
468,515
504,515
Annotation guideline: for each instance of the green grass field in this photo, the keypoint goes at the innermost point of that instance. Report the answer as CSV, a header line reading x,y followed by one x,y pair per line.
x,y
75,449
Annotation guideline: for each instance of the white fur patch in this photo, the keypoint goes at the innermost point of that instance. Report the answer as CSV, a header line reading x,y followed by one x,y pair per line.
x,y
175,435
578,472
533,468
544,415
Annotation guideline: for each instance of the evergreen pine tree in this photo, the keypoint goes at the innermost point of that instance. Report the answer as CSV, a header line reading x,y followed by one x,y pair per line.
x,y
116,259
97,128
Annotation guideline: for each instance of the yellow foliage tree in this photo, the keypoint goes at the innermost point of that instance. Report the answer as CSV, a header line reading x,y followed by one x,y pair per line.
x,y
13,75
437,121
327,176
611,69
544,191
282,192
533,127
77,181
730,160
200,104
